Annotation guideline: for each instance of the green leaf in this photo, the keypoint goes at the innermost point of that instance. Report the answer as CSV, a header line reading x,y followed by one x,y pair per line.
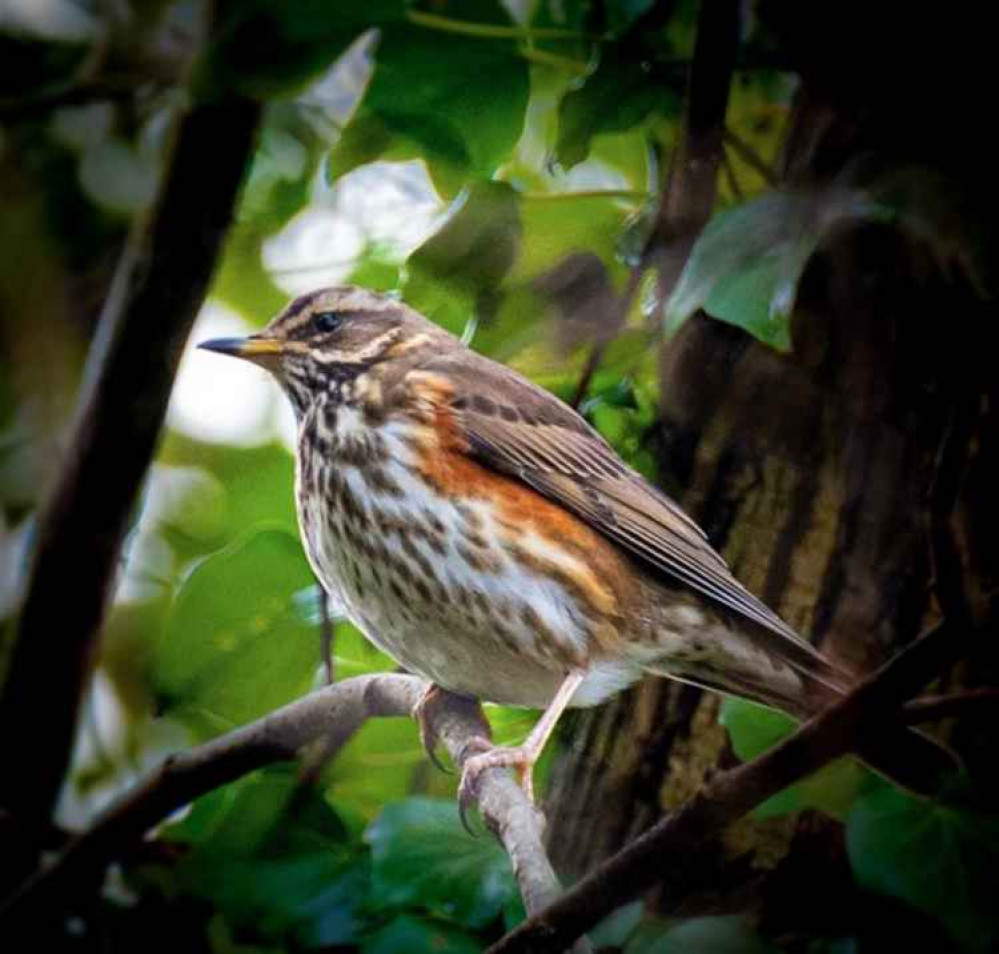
x,y
556,226
459,100
419,936
833,789
467,257
422,856
939,859
615,929
234,648
258,481
264,49
624,89
753,728
707,935
275,858
745,267
638,76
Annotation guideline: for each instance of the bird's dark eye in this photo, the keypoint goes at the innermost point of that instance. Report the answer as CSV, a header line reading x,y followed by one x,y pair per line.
x,y
326,321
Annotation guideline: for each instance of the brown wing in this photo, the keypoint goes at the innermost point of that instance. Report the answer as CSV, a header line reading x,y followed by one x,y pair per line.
x,y
521,430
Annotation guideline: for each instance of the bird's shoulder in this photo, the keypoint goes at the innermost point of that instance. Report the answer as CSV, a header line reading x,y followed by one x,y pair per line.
x,y
508,423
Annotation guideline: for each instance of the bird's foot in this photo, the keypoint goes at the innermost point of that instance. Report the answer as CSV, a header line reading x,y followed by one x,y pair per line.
x,y
480,755
422,713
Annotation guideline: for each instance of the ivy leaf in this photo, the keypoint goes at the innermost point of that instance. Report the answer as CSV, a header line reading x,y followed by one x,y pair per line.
x,y
421,855
636,76
258,481
624,89
746,265
467,257
939,859
833,789
457,101
234,647
419,936
274,871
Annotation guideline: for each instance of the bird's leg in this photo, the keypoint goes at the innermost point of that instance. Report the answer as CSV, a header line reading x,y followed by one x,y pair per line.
x,y
433,695
521,757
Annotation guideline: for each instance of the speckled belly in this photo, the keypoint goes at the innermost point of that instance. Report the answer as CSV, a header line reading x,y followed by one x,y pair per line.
x,y
448,590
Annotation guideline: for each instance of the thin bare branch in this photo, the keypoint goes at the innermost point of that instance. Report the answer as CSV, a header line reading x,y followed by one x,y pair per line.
x,y
330,717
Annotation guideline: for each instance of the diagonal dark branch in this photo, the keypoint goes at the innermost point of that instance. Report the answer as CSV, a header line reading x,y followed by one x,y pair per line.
x,y
676,853
158,289
751,157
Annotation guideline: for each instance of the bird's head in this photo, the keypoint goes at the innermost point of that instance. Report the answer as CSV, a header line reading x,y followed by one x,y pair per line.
x,y
325,340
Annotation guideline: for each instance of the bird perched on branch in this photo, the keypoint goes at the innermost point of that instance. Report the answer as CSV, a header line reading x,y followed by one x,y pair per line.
x,y
483,535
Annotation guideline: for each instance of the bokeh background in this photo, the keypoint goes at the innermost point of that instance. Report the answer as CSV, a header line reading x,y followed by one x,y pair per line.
x,y
500,166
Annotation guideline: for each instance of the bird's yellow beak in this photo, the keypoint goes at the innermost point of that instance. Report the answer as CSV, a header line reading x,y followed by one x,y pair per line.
x,y
253,348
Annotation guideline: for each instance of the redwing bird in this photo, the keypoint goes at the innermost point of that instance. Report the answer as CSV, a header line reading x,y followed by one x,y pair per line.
x,y
487,538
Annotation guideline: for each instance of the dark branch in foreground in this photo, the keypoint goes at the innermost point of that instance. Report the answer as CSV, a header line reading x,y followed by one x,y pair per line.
x,y
676,853
328,717
158,289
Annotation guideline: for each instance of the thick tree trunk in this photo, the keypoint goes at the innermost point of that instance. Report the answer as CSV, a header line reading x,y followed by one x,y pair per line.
x,y
810,472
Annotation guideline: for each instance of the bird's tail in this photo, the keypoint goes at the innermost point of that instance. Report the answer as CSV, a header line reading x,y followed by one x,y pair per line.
x,y
902,755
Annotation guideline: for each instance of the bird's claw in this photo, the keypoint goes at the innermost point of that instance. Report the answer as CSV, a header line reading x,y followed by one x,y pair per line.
x,y
428,735
478,756
468,788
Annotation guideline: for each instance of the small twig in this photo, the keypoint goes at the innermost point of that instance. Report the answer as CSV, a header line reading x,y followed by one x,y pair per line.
x,y
586,376
630,195
750,156
326,636
491,31
932,708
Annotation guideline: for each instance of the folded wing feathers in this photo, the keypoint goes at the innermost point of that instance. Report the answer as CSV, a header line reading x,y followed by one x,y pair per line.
x,y
558,455
582,473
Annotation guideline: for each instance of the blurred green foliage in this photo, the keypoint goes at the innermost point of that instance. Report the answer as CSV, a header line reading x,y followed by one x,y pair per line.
x,y
537,139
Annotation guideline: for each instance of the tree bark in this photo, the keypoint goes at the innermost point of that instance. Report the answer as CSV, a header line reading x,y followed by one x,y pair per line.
x,y
810,472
